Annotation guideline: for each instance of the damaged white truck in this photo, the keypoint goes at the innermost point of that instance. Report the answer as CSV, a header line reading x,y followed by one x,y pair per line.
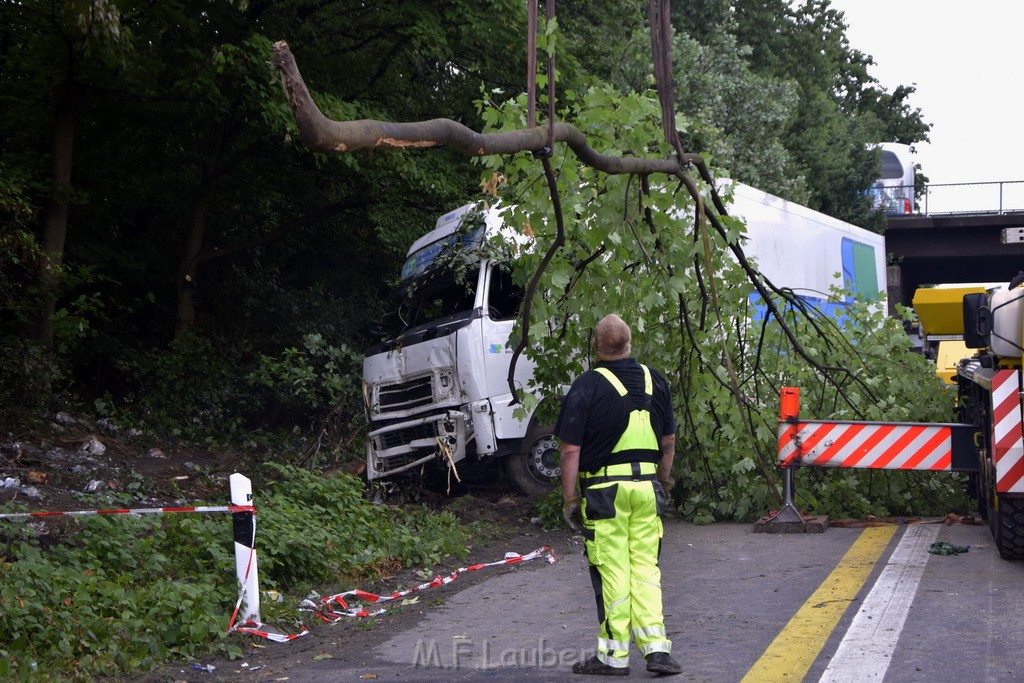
x,y
437,392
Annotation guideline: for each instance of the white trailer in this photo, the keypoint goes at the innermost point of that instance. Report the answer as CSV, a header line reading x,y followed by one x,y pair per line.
x,y
808,251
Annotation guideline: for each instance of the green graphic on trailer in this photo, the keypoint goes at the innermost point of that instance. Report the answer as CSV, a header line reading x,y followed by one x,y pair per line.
x,y
860,275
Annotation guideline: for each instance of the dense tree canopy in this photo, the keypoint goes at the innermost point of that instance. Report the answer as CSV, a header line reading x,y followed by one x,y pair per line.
x,y
188,209
173,253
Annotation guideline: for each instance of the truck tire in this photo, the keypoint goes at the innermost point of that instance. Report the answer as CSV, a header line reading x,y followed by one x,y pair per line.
x,y
1009,528
534,469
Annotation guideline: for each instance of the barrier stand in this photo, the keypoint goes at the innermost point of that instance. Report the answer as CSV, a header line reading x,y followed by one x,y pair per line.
x,y
787,519
246,616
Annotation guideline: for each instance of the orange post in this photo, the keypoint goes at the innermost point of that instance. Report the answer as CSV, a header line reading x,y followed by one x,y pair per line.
x,y
789,403
787,516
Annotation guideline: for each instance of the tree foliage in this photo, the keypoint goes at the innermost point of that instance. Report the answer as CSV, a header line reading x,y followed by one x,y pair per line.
x,y
194,212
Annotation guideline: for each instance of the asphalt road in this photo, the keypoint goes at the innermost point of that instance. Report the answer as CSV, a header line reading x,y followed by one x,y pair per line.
x,y
729,594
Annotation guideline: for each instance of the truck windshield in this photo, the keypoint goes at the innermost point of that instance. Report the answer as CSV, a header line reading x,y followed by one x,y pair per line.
x,y
436,296
424,258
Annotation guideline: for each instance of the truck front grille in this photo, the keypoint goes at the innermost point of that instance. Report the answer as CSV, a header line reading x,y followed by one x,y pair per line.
x,y
405,395
405,436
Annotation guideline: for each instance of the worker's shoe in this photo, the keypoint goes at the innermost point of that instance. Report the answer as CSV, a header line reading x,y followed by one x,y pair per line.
x,y
595,667
662,663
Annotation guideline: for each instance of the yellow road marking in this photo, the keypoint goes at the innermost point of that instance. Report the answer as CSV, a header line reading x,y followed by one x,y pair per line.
x,y
794,650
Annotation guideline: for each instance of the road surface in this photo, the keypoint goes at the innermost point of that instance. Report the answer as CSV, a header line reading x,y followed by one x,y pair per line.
x,y
849,604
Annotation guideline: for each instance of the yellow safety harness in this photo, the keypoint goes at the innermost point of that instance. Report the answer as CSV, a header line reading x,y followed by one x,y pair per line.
x,y
639,434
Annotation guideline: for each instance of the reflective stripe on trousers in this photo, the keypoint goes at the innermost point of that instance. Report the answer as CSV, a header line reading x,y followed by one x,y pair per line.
x,y
623,537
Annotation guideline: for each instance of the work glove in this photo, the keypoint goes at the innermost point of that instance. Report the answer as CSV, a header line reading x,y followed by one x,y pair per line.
x,y
668,485
572,514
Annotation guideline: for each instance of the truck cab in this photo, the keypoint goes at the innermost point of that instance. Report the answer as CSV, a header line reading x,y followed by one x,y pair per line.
x,y
893,191
436,389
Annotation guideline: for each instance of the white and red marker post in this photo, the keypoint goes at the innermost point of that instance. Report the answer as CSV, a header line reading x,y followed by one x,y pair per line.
x,y
245,548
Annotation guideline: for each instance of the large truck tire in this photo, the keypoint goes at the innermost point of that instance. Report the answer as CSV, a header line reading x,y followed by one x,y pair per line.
x,y
535,469
1009,528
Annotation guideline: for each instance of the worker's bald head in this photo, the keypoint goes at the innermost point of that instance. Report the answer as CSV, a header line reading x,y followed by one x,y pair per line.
x,y
611,338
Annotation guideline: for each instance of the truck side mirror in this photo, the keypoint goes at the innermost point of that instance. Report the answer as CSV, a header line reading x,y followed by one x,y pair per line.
x,y
977,320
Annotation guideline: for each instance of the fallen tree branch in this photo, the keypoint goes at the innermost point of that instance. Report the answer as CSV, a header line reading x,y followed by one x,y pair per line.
x,y
322,134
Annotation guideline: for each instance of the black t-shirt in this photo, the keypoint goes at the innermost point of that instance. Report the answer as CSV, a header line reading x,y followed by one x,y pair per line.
x,y
594,416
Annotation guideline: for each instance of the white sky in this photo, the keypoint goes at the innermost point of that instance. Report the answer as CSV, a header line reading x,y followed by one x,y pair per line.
x,y
964,58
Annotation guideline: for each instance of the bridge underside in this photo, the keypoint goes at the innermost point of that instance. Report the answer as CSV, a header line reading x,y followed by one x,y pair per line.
x,y
953,248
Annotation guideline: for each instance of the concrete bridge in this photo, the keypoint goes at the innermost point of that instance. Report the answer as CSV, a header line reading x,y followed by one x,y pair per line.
x,y
962,233
952,248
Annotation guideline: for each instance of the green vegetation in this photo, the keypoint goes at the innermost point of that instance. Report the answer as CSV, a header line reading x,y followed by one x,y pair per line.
x,y
128,593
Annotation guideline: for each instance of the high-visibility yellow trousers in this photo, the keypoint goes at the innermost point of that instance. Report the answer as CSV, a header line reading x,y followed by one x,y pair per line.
x,y
622,532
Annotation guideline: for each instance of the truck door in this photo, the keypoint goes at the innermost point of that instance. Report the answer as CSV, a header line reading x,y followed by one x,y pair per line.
x,y
501,306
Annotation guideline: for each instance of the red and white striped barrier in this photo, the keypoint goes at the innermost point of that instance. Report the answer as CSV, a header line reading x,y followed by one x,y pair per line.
x,y
1007,438
328,610
928,446
254,628
866,445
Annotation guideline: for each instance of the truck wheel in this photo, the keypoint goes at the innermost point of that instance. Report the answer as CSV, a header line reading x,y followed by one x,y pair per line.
x,y
1009,534
535,469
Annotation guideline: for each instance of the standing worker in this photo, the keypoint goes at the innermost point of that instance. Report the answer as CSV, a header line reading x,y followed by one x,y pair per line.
x,y
617,434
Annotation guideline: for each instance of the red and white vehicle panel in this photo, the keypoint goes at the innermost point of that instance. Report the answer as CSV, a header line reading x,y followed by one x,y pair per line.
x,y
1007,433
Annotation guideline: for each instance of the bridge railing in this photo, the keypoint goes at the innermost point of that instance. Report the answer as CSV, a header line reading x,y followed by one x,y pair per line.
x,y
997,197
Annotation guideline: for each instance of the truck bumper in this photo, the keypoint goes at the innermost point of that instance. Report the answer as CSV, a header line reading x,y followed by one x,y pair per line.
x,y
402,446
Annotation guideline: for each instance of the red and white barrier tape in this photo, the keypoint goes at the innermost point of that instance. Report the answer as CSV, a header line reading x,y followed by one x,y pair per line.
x,y
253,629
129,511
326,610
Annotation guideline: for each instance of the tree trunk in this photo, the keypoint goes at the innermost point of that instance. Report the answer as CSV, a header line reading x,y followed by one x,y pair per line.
x,y
188,273
55,215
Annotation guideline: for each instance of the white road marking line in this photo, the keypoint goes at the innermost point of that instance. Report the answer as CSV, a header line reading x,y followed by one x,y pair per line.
x,y
866,649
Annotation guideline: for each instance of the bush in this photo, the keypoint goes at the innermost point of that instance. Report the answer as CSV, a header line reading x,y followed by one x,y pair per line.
x,y
26,376
123,594
187,390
